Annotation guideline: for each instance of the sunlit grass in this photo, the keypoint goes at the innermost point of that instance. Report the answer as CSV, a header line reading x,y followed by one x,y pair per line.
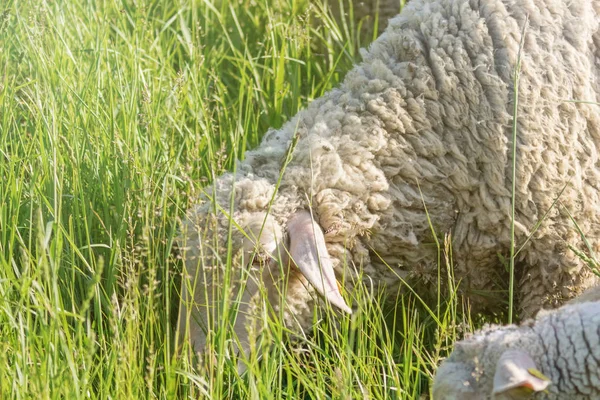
x,y
113,116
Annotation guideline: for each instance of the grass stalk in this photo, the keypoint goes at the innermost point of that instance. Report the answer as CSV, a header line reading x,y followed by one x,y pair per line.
x,y
515,127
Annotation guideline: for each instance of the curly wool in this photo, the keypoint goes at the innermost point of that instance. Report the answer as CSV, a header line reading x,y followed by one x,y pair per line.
x,y
423,126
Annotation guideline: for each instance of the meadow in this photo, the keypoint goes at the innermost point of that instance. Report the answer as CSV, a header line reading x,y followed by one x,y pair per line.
x,y
113,117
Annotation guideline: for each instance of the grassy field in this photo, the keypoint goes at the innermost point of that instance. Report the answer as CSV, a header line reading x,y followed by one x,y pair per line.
x,y
113,115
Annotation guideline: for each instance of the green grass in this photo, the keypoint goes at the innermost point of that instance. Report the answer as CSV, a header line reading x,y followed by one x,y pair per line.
x,y
113,116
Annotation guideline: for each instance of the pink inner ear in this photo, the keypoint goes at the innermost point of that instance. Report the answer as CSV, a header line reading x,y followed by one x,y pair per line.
x,y
309,254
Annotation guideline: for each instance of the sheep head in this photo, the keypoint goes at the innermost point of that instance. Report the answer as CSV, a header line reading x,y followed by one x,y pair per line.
x,y
479,370
233,258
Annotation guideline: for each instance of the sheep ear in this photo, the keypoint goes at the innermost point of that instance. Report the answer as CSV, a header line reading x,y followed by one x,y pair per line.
x,y
517,377
309,254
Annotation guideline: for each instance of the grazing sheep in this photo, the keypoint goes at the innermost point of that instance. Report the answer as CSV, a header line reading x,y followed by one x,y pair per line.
x,y
420,129
556,356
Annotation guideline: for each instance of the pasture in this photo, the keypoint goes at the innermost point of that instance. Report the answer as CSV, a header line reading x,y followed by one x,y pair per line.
x,y
113,116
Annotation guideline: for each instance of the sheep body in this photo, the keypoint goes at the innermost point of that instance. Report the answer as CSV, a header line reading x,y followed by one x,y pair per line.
x,y
422,127
501,362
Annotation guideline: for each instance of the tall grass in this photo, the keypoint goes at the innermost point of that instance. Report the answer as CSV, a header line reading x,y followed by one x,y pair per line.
x,y
113,115
515,125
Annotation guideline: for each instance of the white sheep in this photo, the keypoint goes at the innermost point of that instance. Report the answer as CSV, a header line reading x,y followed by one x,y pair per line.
x,y
419,131
556,356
